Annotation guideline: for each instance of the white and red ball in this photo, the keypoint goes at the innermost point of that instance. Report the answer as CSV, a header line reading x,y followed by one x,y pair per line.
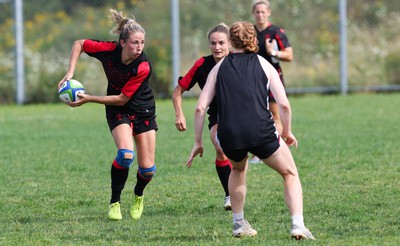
x,y
69,90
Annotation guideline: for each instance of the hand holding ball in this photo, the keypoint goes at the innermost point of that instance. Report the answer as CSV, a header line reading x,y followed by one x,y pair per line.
x,y
69,91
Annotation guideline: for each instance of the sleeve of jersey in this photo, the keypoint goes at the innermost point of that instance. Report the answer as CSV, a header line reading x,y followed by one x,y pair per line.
x,y
91,46
134,82
189,80
281,38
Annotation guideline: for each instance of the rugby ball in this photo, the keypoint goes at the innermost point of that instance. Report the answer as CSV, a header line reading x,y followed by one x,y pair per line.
x,y
69,90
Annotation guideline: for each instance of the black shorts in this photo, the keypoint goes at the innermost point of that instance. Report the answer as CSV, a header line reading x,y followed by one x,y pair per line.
x,y
261,151
138,124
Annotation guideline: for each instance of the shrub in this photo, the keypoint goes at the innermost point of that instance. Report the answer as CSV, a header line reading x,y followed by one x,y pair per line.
x,y
392,68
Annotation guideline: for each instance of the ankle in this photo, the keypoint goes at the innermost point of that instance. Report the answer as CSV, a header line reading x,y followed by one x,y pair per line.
x,y
298,220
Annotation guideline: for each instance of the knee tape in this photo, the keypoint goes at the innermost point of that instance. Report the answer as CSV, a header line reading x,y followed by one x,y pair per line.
x,y
125,158
147,173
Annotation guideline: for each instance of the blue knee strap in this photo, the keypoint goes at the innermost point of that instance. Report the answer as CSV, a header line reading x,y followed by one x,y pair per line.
x,y
125,157
147,173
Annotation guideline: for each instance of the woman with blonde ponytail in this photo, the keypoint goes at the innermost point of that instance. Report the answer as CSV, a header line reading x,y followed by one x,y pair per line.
x,y
129,104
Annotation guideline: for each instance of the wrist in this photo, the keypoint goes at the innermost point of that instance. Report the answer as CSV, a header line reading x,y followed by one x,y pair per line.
x,y
276,54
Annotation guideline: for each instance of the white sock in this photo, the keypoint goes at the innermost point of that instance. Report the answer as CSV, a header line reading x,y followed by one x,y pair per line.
x,y
237,217
298,220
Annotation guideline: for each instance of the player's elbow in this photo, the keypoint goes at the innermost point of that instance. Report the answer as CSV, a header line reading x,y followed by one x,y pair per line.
x,y
120,103
200,109
289,57
121,100
284,107
178,91
288,54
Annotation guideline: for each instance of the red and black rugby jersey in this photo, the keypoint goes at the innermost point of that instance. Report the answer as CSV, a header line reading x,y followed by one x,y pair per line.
x,y
276,33
132,79
198,73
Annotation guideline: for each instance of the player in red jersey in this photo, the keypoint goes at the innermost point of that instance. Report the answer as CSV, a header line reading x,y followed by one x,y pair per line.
x,y
274,47
219,47
240,82
129,104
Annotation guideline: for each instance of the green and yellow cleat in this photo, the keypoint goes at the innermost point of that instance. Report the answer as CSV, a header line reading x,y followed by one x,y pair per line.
x,y
115,211
137,207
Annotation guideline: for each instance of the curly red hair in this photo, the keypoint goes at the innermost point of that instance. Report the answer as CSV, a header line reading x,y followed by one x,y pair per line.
x,y
243,35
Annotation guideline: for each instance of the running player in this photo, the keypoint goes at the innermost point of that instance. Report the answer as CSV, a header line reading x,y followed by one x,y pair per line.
x,y
273,46
240,82
219,47
129,104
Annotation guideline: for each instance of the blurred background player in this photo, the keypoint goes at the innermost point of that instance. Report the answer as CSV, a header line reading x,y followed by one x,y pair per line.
x,y
240,83
129,104
275,47
219,47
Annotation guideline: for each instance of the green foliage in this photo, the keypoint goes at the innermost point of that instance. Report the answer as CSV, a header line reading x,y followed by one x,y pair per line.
x,y
373,12
392,68
54,179
45,91
6,79
312,27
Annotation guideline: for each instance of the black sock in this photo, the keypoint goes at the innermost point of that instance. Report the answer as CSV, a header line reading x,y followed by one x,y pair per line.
x,y
140,184
118,180
223,174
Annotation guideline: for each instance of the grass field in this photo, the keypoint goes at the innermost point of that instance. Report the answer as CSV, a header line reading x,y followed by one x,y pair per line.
x,y
55,183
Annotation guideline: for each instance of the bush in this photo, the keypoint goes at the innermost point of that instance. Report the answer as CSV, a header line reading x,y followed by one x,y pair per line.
x,y
392,65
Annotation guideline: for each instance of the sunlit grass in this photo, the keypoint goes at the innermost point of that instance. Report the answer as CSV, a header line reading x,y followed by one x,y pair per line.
x,y
55,184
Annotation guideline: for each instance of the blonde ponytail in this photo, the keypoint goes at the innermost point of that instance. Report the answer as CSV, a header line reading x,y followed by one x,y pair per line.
x,y
124,26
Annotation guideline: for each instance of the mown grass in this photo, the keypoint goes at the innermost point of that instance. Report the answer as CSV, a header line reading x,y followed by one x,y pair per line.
x,y
55,184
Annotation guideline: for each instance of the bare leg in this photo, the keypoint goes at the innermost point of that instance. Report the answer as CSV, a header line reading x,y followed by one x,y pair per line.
x,y
237,185
122,135
146,148
237,189
282,162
